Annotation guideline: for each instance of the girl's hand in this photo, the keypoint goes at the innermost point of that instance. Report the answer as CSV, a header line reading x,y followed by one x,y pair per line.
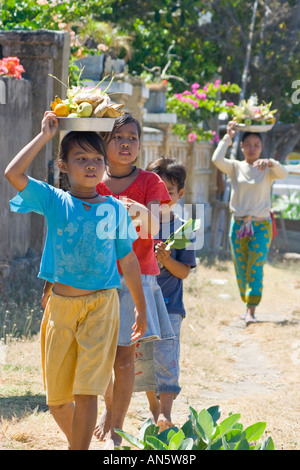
x,y
143,216
231,129
139,327
134,208
49,124
138,213
262,163
44,299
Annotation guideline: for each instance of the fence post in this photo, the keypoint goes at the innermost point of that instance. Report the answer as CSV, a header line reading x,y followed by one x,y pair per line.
x,y
2,92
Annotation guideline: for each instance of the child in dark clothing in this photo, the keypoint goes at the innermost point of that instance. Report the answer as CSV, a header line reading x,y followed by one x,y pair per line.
x,y
157,363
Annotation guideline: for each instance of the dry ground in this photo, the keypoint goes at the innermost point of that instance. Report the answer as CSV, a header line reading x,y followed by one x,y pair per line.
x,y
252,370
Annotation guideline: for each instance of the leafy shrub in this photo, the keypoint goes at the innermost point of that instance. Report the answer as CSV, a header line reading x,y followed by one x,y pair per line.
x,y
201,432
288,205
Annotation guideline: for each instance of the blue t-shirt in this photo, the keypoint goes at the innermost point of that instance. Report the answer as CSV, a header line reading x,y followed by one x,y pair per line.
x,y
172,286
82,246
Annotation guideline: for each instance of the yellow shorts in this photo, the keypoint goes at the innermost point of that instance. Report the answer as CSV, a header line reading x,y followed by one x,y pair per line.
x,y
79,340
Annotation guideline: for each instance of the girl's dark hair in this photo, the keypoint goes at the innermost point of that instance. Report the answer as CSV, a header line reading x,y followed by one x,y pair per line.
x,y
87,141
126,118
170,169
246,134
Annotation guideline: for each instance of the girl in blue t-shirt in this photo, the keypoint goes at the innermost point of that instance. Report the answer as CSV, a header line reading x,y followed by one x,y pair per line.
x,y
86,234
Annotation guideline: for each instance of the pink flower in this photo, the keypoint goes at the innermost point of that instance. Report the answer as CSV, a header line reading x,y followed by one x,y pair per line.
x,y
186,99
229,103
192,137
11,60
217,83
195,86
187,92
3,69
192,102
215,139
201,96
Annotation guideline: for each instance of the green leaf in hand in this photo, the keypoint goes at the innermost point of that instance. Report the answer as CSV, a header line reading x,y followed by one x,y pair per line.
x,y
181,237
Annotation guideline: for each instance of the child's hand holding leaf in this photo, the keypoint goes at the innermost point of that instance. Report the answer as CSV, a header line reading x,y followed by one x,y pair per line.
x,y
161,252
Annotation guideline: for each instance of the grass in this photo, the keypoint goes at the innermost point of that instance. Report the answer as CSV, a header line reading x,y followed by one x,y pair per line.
x,y
20,308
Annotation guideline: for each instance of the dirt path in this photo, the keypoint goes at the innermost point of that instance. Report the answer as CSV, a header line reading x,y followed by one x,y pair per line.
x,y
253,372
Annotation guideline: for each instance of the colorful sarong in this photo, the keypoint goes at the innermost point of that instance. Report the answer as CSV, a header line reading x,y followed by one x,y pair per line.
x,y
249,255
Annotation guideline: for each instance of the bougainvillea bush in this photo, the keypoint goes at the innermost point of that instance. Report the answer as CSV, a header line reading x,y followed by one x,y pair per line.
x,y
196,107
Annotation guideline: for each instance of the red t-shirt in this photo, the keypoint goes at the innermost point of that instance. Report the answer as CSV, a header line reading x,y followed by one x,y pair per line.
x,y
145,188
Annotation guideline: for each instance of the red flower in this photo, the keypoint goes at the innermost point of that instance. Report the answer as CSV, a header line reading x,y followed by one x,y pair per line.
x,y
11,67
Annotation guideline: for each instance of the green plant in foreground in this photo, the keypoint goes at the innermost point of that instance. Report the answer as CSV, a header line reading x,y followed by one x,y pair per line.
x,y
201,432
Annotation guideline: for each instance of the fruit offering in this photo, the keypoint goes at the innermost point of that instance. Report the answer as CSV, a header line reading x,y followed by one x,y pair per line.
x,y
86,102
250,113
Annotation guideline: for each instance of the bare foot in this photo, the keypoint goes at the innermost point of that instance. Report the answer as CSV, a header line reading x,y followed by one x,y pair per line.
x,y
249,319
112,441
250,315
103,426
164,423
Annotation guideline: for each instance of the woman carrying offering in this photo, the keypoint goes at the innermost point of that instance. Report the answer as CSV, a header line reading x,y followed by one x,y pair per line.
x,y
250,203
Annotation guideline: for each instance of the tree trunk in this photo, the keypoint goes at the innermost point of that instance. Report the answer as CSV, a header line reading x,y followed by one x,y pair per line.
x,y
281,140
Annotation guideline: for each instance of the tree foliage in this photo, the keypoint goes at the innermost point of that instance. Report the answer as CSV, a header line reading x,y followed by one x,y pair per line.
x,y
208,38
43,14
275,56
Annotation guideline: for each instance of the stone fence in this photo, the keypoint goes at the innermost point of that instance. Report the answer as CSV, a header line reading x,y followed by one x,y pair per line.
x,y
15,131
200,185
22,105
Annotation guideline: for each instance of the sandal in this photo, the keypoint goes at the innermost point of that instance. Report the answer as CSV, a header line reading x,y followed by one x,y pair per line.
x,y
250,320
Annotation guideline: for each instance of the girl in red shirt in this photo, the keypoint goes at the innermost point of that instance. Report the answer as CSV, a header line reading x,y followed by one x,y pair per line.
x,y
142,192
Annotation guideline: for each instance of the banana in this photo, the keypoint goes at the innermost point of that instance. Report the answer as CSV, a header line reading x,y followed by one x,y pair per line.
x,y
114,111
88,97
100,110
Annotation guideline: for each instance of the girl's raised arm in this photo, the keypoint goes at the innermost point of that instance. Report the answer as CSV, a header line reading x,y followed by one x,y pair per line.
x,y
16,169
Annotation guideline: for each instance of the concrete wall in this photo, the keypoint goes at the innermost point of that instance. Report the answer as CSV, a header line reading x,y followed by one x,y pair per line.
x,y
41,53
15,132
